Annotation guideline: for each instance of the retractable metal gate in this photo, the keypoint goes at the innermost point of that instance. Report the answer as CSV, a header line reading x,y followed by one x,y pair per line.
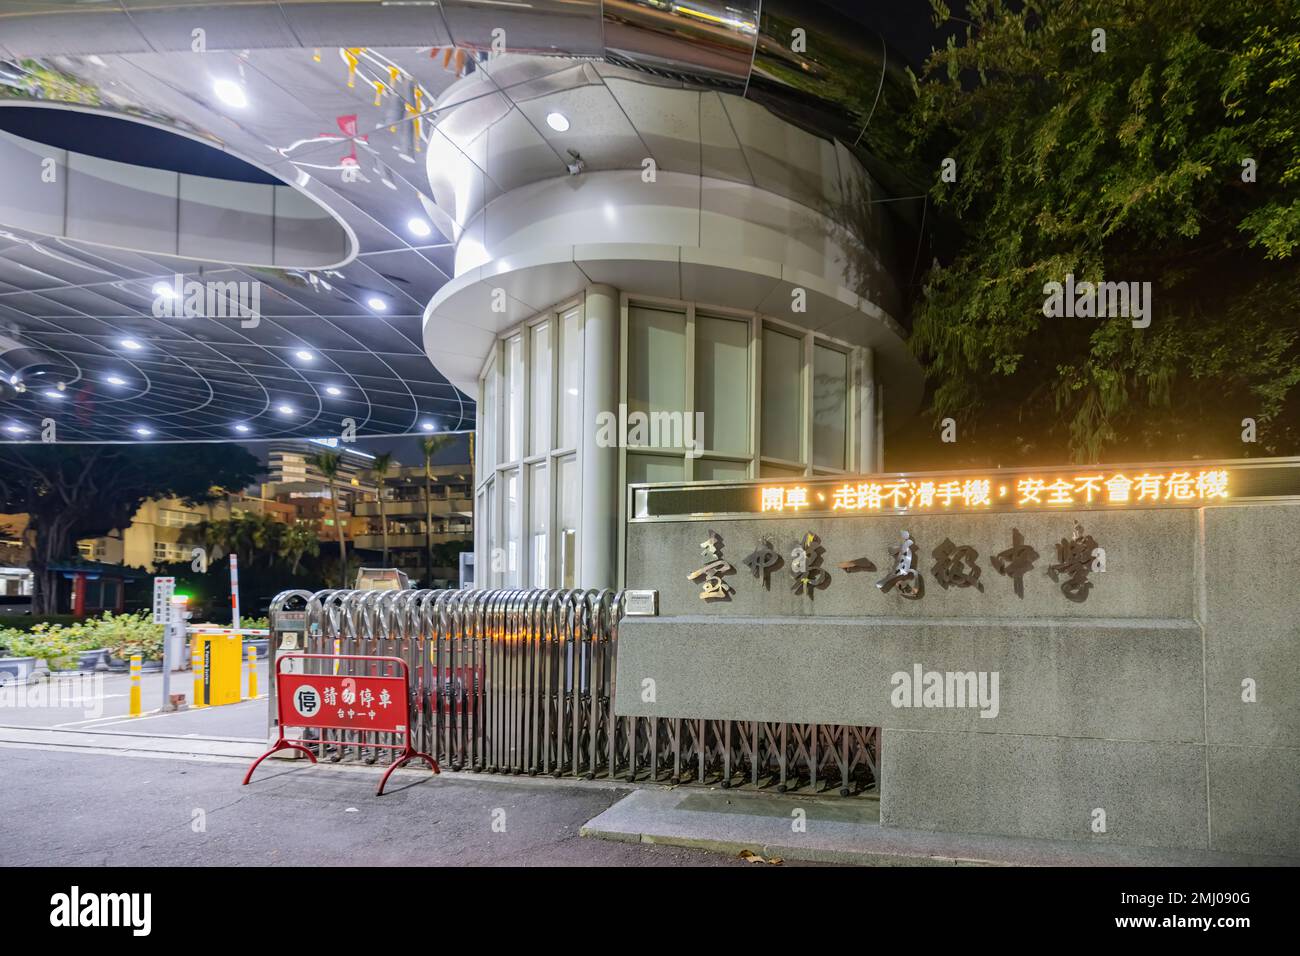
x,y
522,681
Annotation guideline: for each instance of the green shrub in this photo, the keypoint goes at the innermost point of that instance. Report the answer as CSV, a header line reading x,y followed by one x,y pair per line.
x,y
60,644
127,634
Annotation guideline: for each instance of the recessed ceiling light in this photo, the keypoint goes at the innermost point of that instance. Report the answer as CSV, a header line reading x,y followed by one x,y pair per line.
x,y
333,390
143,432
15,429
557,121
427,426
61,386
115,380
231,93
53,393
241,428
419,227
305,355
164,290
131,344
377,304
284,409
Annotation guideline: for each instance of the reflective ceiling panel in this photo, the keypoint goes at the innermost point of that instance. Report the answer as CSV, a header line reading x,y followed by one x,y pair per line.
x,y
402,120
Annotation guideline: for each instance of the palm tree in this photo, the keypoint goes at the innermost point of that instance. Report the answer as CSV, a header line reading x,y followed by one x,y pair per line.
x,y
298,540
264,532
430,445
379,471
218,537
327,463
243,538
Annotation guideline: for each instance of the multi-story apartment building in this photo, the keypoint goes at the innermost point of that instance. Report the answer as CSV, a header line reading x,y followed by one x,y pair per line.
x,y
310,504
166,530
404,509
288,465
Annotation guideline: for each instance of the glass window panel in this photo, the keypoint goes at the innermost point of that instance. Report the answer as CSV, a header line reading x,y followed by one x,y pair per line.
x,y
489,406
514,406
722,383
570,378
538,522
510,517
486,566
710,469
568,488
778,471
830,406
540,399
782,395
656,359
654,468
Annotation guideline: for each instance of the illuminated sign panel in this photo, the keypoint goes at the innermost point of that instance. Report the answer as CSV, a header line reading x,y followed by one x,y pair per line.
x,y
1111,487
1011,492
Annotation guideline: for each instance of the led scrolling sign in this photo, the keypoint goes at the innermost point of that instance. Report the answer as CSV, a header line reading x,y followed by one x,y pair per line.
x,y
954,564
1114,489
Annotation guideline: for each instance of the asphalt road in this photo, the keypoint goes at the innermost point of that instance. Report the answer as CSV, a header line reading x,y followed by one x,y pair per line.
x,y
71,808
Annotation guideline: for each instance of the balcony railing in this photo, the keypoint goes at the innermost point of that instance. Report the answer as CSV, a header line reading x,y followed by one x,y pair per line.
x,y
375,542
441,506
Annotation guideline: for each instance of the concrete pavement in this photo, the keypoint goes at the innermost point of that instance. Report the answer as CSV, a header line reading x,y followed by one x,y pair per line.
x,y
164,788
84,808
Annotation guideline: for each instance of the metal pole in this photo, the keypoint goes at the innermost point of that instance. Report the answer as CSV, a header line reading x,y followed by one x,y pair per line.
x,y
234,590
168,628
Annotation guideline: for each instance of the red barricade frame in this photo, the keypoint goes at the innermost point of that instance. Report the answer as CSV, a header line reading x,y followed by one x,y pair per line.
x,y
398,721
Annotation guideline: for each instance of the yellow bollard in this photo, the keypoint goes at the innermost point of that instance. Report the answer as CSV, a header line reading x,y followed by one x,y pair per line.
x,y
252,671
135,685
197,659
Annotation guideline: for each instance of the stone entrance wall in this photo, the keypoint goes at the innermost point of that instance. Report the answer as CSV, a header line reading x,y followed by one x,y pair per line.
x,y
1128,704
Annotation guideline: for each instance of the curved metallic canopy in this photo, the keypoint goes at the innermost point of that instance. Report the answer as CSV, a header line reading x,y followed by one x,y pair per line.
x,y
338,100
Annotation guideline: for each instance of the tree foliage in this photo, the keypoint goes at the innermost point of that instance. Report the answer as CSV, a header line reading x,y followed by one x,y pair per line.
x,y
1122,165
260,540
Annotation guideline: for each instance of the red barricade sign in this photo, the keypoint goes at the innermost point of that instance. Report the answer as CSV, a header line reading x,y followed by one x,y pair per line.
x,y
370,708
345,702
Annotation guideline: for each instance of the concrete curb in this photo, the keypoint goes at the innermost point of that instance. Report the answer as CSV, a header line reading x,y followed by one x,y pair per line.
x,y
656,817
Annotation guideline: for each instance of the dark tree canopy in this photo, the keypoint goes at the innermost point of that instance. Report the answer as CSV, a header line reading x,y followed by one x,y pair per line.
x,y
1125,165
